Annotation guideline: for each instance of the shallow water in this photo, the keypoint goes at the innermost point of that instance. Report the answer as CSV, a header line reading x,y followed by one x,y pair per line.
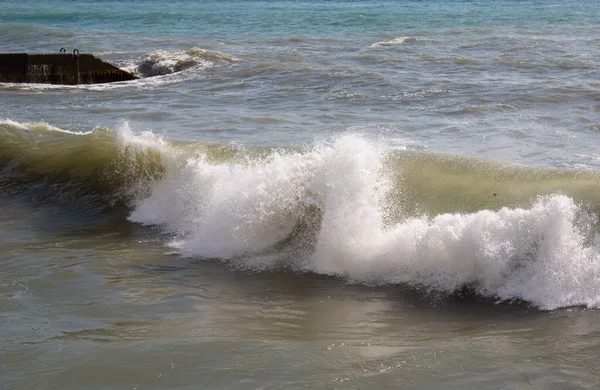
x,y
335,194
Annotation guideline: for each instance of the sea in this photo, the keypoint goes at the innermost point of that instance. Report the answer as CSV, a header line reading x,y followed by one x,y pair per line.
x,y
327,194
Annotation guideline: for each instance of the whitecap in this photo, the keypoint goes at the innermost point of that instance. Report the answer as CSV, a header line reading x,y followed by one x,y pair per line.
x,y
392,42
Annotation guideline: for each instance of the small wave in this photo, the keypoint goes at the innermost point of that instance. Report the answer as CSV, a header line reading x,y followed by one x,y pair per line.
x,y
163,62
391,42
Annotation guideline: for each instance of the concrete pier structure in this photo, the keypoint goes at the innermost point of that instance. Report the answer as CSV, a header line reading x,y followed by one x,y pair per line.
x,y
59,68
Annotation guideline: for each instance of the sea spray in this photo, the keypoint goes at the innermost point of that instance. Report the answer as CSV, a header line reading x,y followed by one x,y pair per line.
x,y
228,209
240,211
539,255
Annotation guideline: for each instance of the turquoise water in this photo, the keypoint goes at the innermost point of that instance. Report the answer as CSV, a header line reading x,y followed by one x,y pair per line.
x,y
334,194
284,18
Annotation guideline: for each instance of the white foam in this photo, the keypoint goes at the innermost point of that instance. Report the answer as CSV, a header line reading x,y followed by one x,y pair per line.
x,y
163,62
40,126
12,123
538,254
547,255
142,140
391,42
224,210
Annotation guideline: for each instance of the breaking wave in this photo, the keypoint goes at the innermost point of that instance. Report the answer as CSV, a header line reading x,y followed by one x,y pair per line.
x,y
163,62
348,207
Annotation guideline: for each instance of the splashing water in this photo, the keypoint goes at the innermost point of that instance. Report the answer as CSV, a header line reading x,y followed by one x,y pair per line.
x,y
547,254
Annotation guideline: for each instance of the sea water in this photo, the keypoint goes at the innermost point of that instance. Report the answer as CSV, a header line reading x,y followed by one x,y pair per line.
x,y
303,194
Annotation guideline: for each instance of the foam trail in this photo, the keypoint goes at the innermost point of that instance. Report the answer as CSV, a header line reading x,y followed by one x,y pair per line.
x,y
547,254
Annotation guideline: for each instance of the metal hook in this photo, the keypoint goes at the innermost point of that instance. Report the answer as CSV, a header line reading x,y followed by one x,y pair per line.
x,y
62,50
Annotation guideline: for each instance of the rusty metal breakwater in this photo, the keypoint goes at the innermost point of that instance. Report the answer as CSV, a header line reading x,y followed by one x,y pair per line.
x,y
59,68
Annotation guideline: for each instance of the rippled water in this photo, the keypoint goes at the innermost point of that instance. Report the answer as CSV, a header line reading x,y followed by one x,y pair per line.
x,y
503,80
301,194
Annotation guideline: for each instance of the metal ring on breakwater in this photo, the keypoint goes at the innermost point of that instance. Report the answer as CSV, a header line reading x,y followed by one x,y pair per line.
x,y
62,50
75,53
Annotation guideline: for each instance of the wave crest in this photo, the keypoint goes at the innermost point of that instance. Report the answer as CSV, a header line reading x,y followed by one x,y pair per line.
x,y
105,167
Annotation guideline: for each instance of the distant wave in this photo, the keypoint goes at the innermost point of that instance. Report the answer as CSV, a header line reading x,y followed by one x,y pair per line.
x,y
163,62
391,42
349,207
